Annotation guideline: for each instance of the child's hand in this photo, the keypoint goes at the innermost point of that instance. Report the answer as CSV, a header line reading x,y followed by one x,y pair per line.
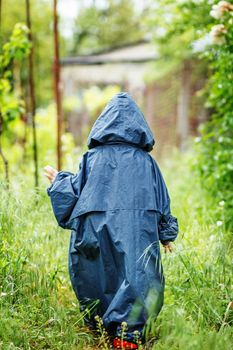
x,y
50,173
168,247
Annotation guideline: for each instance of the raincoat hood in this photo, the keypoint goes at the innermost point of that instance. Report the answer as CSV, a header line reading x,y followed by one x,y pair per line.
x,y
121,121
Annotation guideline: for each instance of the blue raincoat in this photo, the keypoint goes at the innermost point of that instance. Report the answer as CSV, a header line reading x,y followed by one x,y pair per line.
x,y
118,209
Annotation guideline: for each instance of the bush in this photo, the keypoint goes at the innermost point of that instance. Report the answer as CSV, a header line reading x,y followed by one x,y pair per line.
x,y
215,147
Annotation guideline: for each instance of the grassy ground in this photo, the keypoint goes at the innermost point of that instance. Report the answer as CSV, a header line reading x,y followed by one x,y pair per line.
x,y
39,309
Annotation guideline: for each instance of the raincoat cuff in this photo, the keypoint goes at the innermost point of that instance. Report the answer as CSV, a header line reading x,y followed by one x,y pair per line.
x,y
165,242
168,228
60,175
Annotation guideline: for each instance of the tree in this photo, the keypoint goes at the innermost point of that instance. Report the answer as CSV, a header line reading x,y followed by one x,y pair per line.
x,y
11,104
175,27
41,12
114,24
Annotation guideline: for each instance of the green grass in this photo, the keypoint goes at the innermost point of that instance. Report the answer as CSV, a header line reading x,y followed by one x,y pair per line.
x,y
199,276
39,309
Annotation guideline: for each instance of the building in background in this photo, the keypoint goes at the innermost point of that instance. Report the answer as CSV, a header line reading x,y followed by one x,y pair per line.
x,y
169,104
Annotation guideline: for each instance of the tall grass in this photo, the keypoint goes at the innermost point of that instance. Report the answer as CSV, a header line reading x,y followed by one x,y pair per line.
x,y
39,309
198,310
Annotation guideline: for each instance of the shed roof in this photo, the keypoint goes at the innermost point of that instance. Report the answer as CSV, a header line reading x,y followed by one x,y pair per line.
x,y
134,53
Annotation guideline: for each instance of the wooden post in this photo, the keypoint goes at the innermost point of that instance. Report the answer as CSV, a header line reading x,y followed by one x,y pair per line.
x,y
0,15
57,84
2,155
183,107
150,99
32,94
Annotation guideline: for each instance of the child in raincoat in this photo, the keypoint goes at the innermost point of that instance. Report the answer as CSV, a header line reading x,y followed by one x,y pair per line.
x,y
118,210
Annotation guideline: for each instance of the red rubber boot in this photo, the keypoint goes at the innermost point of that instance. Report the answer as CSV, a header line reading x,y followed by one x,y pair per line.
x,y
123,344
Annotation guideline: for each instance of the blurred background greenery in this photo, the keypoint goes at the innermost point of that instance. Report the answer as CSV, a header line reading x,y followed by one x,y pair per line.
x,y
176,60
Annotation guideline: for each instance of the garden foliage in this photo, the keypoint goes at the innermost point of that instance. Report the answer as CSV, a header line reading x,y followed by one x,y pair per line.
x,y
190,31
215,147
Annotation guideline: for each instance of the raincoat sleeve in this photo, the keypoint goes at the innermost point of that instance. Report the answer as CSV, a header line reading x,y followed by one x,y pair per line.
x,y
168,224
64,194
